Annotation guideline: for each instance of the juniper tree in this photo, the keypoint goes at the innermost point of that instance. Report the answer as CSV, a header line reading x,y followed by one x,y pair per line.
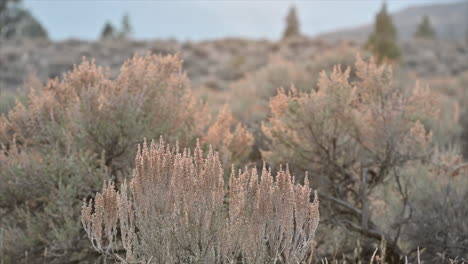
x,y
108,31
425,29
383,41
16,21
127,29
292,24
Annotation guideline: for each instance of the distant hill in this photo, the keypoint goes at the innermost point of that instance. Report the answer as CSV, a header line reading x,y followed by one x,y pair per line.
x,y
449,20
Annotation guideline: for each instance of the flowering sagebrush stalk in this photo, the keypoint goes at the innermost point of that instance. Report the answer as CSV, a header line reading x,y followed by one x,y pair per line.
x,y
178,209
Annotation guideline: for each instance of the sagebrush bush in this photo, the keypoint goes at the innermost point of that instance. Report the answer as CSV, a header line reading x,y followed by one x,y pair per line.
x,y
179,209
352,136
231,138
39,203
7,101
251,94
87,124
438,194
450,129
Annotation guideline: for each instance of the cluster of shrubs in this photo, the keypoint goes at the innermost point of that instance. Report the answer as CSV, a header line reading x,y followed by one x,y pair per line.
x,y
70,135
363,137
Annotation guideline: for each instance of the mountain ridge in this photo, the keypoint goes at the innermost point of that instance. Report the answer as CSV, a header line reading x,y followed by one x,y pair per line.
x,y
450,21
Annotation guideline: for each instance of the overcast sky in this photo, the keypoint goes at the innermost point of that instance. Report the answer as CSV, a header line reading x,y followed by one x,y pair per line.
x,y
198,20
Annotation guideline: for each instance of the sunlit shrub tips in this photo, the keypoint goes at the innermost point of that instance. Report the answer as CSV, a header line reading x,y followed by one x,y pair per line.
x,y
179,209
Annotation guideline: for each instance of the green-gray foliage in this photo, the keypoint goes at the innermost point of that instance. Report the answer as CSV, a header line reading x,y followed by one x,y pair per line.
x,y
425,29
15,21
383,41
108,31
292,24
127,29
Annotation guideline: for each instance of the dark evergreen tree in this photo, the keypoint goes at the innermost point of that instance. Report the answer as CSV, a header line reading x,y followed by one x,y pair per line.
x,y
127,29
425,29
108,31
292,24
382,43
15,21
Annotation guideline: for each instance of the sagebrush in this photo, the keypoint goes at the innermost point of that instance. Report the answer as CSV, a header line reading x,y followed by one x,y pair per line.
x,y
179,209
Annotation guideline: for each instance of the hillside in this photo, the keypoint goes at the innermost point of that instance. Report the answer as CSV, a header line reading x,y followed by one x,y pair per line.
x,y
449,20
209,63
213,64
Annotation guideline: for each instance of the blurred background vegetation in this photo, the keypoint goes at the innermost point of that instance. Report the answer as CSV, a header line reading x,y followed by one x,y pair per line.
x,y
60,139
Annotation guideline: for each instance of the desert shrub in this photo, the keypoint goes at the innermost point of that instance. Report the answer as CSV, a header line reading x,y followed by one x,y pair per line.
x,y
177,209
450,129
439,222
461,85
39,203
150,97
231,138
439,209
251,95
84,125
352,136
7,101
9,98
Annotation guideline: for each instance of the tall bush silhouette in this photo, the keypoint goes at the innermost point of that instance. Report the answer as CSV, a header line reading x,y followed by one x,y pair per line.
x,y
425,29
292,24
108,31
127,30
382,42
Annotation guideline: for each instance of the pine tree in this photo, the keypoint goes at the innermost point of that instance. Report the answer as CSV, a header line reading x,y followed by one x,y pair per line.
x,y
108,31
127,29
425,29
16,21
292,24
383,41
4,4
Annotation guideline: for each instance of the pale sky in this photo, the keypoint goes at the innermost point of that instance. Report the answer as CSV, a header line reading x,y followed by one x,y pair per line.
x,y
199,20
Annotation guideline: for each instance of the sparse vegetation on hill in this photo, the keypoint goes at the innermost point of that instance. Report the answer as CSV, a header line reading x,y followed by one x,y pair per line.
x,y
383,140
